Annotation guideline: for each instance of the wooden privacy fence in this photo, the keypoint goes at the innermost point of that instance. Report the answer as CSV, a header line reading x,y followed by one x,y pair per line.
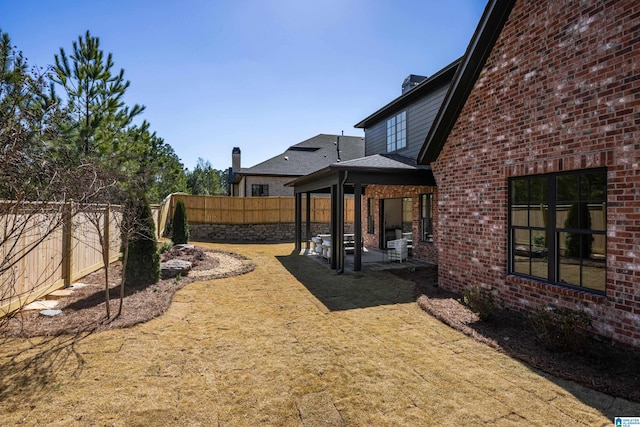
x,y
248,210
48,246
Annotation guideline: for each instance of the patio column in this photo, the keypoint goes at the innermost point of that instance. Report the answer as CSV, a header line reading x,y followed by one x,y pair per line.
x,y
334,225
308,218
298,221
357,227
339,240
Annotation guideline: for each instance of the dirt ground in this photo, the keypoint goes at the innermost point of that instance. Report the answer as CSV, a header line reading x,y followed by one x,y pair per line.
x,y
289,343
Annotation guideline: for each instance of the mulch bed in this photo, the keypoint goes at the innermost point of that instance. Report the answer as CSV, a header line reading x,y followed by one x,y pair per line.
x,y
85,309
600,364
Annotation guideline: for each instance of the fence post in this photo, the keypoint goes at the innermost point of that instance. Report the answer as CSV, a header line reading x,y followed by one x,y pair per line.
x,y
107,235
67,242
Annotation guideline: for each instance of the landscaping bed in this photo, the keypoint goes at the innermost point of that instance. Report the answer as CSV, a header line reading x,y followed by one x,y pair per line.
x,y
84,310
600,364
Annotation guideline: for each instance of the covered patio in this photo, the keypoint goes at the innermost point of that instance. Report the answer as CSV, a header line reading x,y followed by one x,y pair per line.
x,y
351,177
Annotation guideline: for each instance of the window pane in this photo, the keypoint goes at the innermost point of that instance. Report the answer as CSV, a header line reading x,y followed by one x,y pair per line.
x,y
520,215
538,215
538,190
593,186
567,188
519,191
539,254
598,216
522,255
594,274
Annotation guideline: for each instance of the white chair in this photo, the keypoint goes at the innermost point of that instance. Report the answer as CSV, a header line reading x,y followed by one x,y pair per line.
x,y
399,252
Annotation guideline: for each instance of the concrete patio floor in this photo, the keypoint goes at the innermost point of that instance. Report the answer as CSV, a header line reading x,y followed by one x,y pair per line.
x,y
289,344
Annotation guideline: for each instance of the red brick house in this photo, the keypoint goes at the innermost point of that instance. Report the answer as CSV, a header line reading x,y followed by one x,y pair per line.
x,y
536,157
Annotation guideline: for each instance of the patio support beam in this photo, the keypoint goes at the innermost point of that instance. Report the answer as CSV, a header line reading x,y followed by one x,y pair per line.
x,y
298,221
334,224
339,239
308,219
357,227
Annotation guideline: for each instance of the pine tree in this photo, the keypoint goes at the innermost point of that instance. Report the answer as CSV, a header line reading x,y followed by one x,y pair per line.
x,y
180,232
95,97
142,261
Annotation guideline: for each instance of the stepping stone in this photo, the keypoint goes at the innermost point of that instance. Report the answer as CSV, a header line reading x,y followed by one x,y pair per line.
x,y
59,294
41,305
51,313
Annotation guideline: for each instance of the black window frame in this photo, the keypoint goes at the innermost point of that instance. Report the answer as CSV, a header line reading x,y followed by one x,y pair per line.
x,y
259,190
395,134
426,217
550,240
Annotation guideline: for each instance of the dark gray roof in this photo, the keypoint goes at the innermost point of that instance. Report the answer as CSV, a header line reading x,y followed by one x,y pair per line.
x,y
375,169
379,161
309,156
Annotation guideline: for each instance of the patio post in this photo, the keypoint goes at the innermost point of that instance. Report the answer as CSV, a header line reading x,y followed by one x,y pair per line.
x,y
357,227
334,224
308,218
339,239
298,221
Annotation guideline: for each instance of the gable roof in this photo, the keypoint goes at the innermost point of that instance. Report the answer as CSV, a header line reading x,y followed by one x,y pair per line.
x,y
309,156
491,23
419,91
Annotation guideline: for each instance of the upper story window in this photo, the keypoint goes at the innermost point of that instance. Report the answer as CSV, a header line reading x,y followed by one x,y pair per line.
x,y
259,190
557,228
397,132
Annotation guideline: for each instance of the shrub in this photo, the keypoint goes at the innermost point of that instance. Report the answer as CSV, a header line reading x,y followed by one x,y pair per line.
x,y
180,224
560,329
143,262
165,247
481,301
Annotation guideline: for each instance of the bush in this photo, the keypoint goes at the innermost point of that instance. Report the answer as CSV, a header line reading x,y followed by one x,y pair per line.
x,y
180,224
480,301
561,329
143,262
165,247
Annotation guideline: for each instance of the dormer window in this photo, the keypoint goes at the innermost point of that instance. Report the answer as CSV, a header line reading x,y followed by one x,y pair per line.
x,y
397,132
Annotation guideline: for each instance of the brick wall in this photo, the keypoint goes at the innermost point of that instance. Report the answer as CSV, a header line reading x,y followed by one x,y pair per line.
x,y
425,251
560,91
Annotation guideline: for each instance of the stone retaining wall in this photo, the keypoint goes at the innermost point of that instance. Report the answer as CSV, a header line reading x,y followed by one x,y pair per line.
x,y
284,232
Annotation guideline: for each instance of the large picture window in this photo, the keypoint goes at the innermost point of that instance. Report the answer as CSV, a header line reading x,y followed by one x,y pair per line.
x,y
397,132
557,228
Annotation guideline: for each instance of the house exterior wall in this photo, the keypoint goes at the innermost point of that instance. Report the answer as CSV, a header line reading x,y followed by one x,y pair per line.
x,y
275,183
425,251
420,115
560,91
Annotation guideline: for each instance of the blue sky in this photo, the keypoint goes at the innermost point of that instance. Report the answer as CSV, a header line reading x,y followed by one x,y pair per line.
x,y
258,74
